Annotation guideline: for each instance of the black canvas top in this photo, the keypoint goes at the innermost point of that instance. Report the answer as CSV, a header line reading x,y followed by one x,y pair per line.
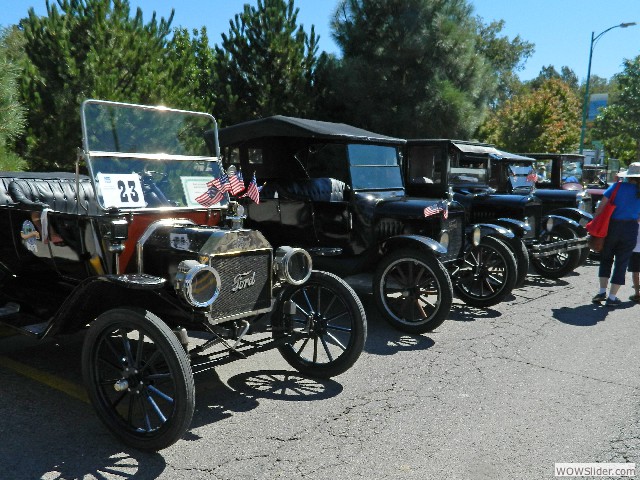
x,y
281,126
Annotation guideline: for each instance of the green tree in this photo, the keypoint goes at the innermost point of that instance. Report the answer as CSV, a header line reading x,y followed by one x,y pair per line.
x,y
423,68
506,56
266,64
192,63
11,111
566,75
546,119
618,125
87,49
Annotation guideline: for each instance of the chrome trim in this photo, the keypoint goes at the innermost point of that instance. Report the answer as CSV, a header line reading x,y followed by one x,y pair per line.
x,y
215,321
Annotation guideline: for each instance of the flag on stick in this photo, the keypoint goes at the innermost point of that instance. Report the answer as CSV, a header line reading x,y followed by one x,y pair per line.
x,y
210,197
253,192
437,208
237,183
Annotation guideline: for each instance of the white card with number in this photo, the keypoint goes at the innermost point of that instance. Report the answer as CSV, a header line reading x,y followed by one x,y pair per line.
x,y
122,190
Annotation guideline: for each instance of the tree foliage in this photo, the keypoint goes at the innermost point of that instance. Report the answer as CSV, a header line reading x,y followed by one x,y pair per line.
x,y
11,111
618,125
410,67
506,56
266,64
87,49
546,119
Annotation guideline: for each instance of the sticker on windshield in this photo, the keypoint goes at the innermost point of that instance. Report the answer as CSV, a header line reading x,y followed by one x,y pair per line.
x,y
122,190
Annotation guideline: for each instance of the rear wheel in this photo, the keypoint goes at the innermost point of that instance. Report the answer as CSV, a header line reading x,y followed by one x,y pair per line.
x,y
559,264
326,325
139,378
487,275
412,290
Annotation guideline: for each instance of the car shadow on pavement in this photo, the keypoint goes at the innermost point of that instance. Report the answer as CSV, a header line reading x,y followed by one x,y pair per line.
x,y
383,339
467,313
217,400
538,281
585,315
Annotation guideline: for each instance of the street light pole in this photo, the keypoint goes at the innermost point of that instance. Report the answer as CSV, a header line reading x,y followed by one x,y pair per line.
x,y
585,103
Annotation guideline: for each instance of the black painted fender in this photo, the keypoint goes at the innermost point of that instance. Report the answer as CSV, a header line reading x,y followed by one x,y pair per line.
x,y
518,227
414,241
568,222
490,229
574,214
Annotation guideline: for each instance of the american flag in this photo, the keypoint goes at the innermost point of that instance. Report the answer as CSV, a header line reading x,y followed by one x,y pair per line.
x,y
237,183
532,177
210,197
253,192
437,208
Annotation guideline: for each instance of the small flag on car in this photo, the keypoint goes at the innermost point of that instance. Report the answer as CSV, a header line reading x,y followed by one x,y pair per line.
x,y
532,177
437,208
237,182
210,197
253,192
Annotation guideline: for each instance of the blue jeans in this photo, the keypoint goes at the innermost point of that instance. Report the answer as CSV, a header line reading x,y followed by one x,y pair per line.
x,y
617,249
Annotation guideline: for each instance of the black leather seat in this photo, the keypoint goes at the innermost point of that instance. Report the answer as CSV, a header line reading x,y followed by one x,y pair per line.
x,y
314,189
58,194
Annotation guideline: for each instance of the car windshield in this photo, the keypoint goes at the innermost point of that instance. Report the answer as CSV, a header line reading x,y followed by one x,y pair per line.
x,y
521,175
469,171
572,171
374,167
147,157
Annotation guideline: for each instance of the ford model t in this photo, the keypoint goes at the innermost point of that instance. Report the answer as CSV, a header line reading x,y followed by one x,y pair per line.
x,y
337,191
154,261
553,241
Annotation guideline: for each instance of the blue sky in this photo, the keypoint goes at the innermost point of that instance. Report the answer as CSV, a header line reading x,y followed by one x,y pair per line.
x,y
560,29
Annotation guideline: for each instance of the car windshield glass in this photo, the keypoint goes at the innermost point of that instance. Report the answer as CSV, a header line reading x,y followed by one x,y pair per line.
x,y
141,157
374,167
572,171
521,175
469,171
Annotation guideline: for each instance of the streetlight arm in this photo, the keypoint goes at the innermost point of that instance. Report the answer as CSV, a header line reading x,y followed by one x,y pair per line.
x,y
594,39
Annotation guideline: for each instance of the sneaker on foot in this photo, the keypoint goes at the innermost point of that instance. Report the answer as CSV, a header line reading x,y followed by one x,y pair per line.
x,y
635,298
613,303
601,297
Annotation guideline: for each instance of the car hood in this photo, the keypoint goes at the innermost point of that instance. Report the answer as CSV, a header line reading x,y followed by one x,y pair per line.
x,y
495,199
545,194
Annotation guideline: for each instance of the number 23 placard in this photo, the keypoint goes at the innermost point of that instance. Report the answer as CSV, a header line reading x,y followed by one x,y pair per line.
x,y
121,190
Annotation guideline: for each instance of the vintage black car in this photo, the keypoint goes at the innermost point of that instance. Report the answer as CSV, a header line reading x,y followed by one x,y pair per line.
x,y
433,166
160,271
512,173
337,191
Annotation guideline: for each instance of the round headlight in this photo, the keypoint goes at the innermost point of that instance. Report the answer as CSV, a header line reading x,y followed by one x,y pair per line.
x,y
549,224
197,283
476,236
444,239
292,265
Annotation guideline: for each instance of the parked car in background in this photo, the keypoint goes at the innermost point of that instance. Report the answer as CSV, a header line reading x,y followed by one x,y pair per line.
x,y
337,191
465,168
158,268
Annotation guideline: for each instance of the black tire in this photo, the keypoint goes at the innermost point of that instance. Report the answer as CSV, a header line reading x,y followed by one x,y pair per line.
x,y
487,275
559,265
412,290
328,329
138,354
521,254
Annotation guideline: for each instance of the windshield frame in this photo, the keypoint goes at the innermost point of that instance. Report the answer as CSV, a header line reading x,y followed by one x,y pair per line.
x,y
396,183
192,185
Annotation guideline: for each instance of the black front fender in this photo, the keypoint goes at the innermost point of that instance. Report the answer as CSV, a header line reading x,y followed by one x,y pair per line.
x,y
518,227
574,214
414,241
490,229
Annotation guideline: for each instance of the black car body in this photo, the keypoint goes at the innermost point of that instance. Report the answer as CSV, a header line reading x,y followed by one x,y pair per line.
x,y
337,191
434,166
131,252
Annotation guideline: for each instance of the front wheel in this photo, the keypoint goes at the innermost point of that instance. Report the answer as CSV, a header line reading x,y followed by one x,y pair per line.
x,y
325,324
559,264
487,274
139,378
412,290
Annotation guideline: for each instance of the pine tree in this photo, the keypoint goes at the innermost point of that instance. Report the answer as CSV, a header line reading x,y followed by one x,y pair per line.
x,y
266,64
11,111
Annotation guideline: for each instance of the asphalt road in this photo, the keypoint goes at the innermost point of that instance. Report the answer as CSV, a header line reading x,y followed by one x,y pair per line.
x,y
502,393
